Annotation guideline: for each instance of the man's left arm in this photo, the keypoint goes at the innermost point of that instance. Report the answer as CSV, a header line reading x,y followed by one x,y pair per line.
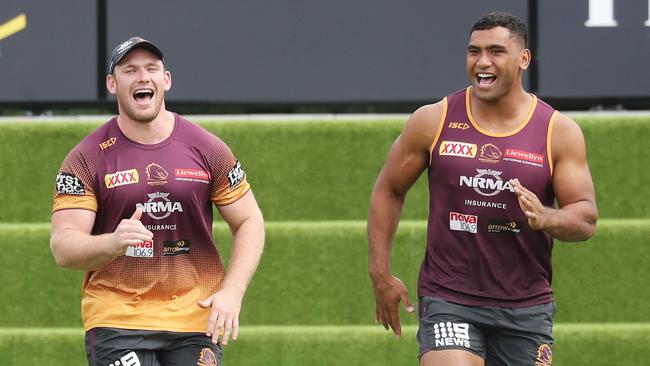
x,y
575,219
247,226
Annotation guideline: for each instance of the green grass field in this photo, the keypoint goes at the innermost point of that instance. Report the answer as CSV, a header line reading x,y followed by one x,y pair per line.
x,y
311,301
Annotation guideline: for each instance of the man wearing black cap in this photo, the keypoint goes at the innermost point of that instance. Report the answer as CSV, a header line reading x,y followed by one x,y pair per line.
x,y
132,208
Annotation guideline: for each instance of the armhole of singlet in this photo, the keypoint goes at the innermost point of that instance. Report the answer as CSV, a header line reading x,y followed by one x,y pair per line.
x,y
549,133
440,125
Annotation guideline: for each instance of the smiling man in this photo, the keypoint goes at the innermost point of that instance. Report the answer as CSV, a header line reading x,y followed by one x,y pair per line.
x,y
133,209
498,161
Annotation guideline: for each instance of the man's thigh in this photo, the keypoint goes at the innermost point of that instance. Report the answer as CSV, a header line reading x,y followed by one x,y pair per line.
x,y
125,347
524,337
451,357
191,349
121,347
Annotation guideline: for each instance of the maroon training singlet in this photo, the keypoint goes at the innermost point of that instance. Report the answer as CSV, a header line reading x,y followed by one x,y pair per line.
x,y
480,249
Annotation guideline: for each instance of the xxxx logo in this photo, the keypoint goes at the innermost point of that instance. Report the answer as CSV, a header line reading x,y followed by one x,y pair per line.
x,y
121,178
454,148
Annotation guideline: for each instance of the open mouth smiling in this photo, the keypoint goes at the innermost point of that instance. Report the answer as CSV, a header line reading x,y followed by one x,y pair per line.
x,y
485,79
143,95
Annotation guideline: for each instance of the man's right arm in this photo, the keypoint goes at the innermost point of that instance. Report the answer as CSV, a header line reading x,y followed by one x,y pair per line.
x,y
407,159
73,246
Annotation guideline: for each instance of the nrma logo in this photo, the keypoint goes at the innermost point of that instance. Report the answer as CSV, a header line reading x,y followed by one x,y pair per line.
x,y
487,182
159,206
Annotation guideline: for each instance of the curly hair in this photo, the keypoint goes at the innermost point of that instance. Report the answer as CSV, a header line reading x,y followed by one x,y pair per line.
x,y
500,19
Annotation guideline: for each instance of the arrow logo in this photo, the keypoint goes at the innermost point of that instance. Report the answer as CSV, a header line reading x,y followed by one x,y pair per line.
x,y
13,26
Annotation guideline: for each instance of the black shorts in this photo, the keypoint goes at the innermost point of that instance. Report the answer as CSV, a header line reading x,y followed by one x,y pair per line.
x,y
501,336
125,347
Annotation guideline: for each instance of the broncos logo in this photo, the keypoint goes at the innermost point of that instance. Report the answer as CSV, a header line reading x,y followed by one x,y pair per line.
x,y
544,355
490,151
156,174
207,358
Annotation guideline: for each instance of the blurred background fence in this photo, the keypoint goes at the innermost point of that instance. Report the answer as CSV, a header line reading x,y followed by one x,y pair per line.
x,y
260,56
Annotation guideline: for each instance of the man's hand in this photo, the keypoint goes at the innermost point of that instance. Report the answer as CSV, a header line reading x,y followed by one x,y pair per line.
x,y
224,317
531,206
389,292
129,232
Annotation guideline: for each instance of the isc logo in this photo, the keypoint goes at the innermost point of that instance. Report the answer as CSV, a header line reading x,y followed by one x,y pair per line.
x,y
108,143
458,125
463,222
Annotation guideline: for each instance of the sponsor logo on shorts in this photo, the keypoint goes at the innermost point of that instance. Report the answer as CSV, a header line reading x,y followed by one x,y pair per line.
x,y
156,175
503,226
462,222
524,157
490,153
455,148
487,182
544,356
142,250
236,175
130,359
451,334
68,183
207,358
458,125
108,143
159,206
176,247
121,178
192,175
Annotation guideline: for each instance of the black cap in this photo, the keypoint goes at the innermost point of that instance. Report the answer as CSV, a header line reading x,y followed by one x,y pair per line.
x,y
126,46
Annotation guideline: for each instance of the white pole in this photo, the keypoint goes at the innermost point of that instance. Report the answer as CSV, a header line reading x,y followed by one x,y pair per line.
x,y
601,14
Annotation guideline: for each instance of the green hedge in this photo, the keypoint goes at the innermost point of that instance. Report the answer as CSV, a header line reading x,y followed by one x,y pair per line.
x,y
315,170
593,345
313,272
316,274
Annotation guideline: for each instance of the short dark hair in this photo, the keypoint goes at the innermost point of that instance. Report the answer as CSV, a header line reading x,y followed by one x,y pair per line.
x,y
500,19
